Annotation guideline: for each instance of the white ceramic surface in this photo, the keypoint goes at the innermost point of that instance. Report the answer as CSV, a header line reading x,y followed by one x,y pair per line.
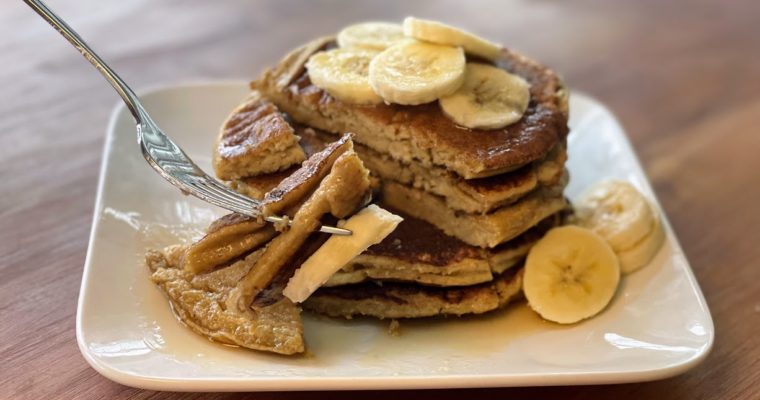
x,y
658,324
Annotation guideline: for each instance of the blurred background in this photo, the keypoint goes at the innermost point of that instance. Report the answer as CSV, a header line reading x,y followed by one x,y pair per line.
x,y
682,76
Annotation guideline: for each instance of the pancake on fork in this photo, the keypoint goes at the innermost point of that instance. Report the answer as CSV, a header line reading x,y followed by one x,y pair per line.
x,y
221,286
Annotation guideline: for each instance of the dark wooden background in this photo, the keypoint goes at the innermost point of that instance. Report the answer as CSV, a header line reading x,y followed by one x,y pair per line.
x,y
683,76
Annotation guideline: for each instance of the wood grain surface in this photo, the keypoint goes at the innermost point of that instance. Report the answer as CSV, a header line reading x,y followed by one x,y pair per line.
x,y
683,77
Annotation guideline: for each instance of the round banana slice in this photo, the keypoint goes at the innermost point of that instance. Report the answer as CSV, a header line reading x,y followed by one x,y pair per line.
x,y
489,98
344,73
413,72
643,252
571,274
370,35
616,211
436,32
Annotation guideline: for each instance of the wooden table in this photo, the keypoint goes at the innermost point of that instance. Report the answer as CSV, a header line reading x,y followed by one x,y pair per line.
x,y
683,76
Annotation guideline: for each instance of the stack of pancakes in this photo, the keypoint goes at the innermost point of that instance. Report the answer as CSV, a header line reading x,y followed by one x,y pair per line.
x,y
473,201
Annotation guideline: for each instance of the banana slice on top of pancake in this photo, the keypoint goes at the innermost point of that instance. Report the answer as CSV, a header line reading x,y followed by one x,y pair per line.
x,y
437,32
489,98
413,72
344,73
370,35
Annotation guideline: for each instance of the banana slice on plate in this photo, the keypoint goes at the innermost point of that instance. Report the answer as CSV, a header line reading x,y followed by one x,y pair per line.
x,y
616,211
571,274
644,251
436,32
625,219
370,35
344,73
489,98
413,72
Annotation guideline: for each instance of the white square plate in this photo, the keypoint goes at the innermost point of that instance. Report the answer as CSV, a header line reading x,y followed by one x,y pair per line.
x,y
658,324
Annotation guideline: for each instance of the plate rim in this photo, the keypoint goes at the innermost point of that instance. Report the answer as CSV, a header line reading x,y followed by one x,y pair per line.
x,y
303,383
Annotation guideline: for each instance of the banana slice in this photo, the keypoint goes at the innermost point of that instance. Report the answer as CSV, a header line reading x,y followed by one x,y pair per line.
x,y
370,35
413,72
489,98
643,252
571,274
436,32
344,74
369,226
616,211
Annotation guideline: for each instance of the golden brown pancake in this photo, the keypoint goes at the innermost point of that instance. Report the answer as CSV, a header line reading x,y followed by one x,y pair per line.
x,y
482,230
421,253
399,300
255,139
199,301
474,202
422,134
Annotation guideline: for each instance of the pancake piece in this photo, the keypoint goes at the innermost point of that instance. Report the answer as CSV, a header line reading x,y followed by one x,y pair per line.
x,y
227,238
256,186
422,133
399,300
306,178
255,139
199,302
339,194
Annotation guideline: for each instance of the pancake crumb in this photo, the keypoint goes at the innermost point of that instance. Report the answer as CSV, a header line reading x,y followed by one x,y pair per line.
x,y
394,328
282,225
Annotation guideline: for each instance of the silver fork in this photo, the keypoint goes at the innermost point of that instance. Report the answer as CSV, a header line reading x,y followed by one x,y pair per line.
x,y
159,150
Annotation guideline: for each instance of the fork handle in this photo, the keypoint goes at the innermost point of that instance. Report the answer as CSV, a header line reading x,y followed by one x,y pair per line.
x,y
129,96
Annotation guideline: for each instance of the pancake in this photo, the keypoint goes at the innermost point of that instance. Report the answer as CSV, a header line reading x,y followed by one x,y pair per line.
x,y
399,300
474,202
422,134
481,230
421,253
478,196
255,139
